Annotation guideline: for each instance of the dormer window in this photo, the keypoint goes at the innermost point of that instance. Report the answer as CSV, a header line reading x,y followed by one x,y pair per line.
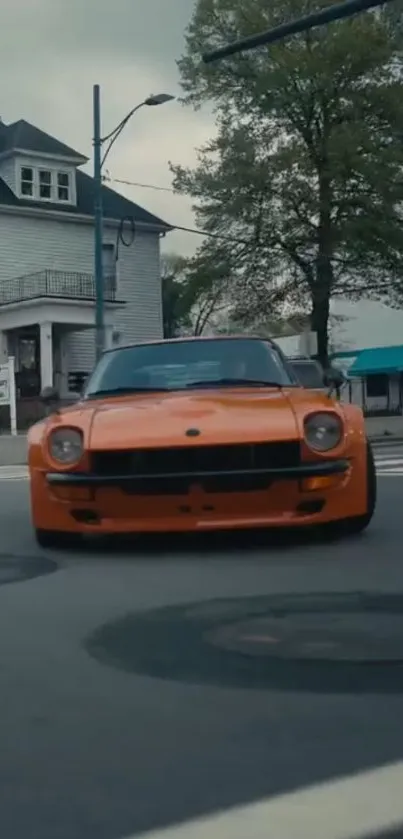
x,y
42,184
45,184
27,182
63,186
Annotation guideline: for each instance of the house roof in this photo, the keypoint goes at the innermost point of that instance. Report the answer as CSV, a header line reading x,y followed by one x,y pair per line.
x,y
23,135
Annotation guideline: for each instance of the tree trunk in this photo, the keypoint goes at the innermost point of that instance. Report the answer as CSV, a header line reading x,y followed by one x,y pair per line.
x,y
322,287
320,321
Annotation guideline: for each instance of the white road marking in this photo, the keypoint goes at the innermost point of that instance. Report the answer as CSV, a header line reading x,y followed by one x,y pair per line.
x,y
389,466
13,473
355,807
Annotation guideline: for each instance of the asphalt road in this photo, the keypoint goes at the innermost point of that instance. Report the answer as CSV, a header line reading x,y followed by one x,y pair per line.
x,y
90,749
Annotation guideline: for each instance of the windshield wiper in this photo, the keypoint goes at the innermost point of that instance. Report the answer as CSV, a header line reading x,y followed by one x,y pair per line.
x,y
122,391
234,383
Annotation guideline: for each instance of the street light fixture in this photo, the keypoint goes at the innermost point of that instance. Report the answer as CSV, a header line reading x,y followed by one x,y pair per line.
x,y
98,143
159,99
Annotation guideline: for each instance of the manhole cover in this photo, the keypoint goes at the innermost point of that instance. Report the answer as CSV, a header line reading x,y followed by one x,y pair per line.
x,y
357,636
330,643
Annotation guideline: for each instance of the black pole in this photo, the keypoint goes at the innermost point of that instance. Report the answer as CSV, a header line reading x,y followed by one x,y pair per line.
x,y
98,225
327,15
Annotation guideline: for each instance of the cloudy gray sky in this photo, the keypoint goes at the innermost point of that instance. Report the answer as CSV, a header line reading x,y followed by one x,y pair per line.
x,y
53,51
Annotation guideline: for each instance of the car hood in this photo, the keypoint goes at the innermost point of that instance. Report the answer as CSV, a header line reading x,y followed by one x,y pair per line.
x,y
230,416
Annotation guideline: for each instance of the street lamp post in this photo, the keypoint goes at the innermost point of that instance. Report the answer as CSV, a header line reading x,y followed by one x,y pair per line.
x,y
98,143
99,279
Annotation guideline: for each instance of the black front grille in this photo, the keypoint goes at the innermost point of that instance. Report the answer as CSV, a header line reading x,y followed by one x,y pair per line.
x,y
196,460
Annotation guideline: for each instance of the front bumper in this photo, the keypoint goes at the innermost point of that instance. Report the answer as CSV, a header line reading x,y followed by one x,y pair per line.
x,y
310,494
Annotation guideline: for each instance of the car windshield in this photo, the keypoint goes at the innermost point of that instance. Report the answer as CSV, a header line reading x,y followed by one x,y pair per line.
x,y
184,365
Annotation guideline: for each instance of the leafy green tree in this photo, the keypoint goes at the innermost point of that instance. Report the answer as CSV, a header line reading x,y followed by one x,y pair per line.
x,y
175,303
193,290
305,172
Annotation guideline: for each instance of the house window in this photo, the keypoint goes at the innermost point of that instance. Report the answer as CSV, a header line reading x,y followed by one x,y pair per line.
x,y
76,381
63,186
27,181
109,268
108,260
377,385
46,185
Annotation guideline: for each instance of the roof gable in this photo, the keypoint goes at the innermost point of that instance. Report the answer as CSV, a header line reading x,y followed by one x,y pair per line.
x,y
23,136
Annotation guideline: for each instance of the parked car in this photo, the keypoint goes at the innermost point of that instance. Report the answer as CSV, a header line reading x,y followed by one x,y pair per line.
x,y
311,375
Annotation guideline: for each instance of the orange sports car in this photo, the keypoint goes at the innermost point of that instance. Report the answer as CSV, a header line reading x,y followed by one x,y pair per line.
x,y
198,434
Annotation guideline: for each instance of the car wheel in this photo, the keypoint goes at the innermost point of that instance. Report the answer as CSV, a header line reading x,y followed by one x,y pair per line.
x,y
358,524
57,539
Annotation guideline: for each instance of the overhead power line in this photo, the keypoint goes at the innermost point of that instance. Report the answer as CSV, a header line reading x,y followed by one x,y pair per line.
x,y
109,179
327,15
218,236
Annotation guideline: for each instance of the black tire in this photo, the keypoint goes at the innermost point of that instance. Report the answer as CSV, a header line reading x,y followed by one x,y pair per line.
x,y
360,523
57,539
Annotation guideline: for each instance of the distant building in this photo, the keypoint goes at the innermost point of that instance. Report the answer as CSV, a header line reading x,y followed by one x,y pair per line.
x,y
368,346
367,343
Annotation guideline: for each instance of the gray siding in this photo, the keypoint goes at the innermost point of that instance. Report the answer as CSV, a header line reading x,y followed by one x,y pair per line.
x,y
34,244
139,286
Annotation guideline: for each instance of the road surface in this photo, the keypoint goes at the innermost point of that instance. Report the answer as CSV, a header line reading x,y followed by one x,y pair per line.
x,y
94,746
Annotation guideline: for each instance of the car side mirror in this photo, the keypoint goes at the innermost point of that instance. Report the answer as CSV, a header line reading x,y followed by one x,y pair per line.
x,y
333,378
50,399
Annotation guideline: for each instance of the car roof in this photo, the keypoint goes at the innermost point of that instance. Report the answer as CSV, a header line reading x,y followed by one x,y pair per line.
x,y
193,338
302,359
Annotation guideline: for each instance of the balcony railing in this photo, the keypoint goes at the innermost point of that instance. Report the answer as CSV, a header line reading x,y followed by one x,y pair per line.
x,y
67,285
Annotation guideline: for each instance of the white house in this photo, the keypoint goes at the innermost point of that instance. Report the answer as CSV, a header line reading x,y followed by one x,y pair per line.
x,y
47,288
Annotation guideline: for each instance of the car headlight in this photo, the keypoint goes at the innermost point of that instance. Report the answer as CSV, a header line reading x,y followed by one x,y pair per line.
x,y
323,431
66,445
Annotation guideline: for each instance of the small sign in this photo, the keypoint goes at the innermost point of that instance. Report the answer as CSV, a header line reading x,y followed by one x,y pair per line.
x,y
4,384
7,392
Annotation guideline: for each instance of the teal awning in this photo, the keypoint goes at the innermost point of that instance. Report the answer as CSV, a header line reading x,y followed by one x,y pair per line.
x,y
378,360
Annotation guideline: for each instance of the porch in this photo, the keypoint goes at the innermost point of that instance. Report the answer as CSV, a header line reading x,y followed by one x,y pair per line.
x,y
38,314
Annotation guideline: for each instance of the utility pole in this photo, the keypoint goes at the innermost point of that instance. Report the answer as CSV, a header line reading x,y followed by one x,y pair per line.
x,y
98,222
